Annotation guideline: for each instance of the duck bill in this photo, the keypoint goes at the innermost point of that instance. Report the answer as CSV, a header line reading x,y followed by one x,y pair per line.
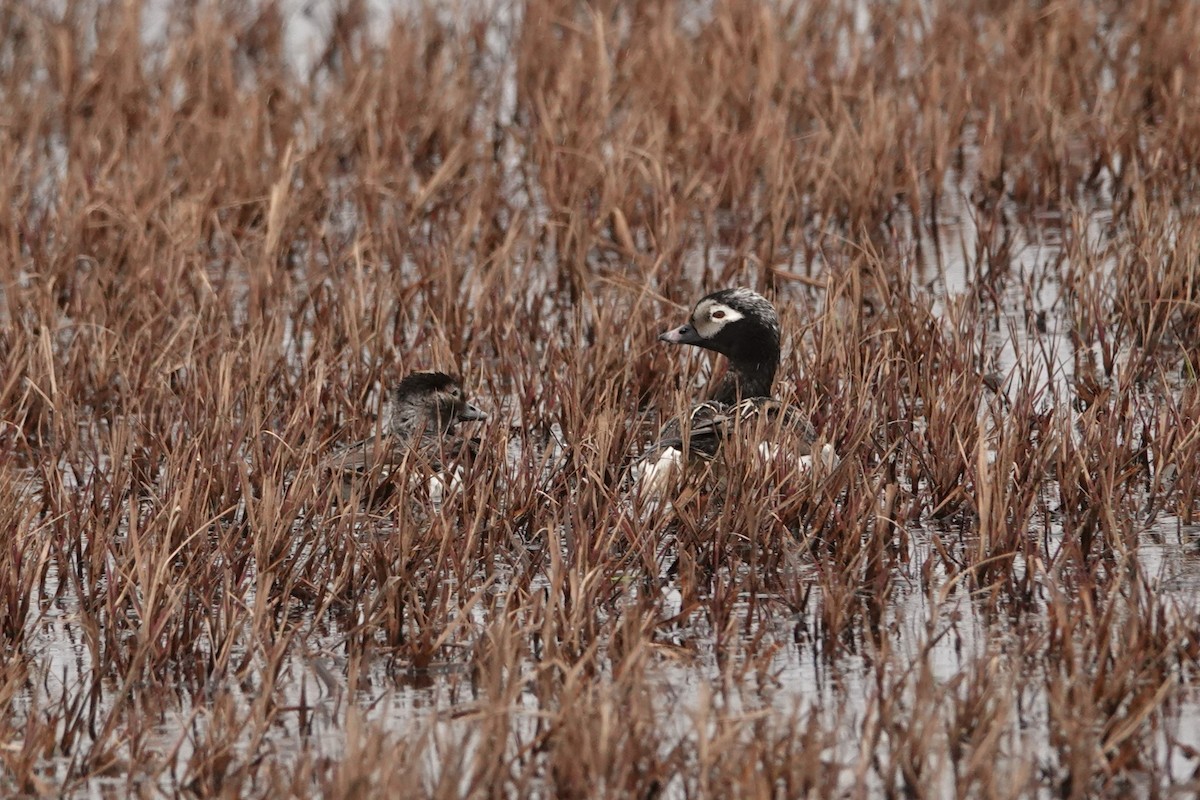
x,y
684,334
470,413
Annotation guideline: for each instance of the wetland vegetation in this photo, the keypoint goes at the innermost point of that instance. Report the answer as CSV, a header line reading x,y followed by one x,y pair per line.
x,y
226,226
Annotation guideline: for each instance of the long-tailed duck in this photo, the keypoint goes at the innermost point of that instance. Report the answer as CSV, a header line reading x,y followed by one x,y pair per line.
x,y
419,422
743,326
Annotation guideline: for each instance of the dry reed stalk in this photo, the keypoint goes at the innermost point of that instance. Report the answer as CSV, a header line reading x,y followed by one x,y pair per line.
x,y
212,262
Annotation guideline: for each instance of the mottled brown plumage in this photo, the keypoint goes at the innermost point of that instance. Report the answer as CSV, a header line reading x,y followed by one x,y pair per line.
x,y
418,424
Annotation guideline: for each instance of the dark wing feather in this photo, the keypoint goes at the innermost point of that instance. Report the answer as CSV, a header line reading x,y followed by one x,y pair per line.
x,y
711,423
704,425
756,421
772,420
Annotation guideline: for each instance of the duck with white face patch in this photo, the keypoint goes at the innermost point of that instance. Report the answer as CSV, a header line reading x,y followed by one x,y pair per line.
x,y
743,326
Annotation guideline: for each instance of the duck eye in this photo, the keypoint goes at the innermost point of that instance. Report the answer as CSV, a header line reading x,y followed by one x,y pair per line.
x,y
718,314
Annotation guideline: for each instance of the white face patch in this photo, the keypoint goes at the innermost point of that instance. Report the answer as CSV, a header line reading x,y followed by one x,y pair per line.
x,y
710,317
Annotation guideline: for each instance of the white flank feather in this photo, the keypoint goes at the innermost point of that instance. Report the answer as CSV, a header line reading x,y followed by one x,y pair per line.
x,y
824,461
442,485
656,477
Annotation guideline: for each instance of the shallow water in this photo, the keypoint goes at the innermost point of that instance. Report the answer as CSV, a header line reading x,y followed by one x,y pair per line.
x,y
921,631
938,633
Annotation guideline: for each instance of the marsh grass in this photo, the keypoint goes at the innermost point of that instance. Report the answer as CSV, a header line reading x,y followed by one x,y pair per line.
x,y
216,255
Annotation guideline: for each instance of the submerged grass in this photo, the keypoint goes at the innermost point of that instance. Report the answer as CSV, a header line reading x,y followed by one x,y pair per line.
x,y
979,223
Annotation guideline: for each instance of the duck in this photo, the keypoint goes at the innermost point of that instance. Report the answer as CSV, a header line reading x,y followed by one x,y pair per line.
x,y
743,326
419,420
